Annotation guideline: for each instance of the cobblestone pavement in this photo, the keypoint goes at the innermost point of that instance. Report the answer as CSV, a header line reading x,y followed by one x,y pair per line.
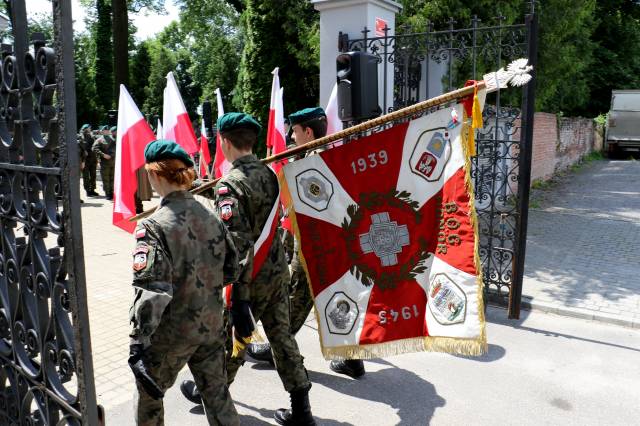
x,y
107,252
583,244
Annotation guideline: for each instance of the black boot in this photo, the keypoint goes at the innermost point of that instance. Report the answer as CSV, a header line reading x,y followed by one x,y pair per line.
x,y
300,413
190,391
351,367
260,352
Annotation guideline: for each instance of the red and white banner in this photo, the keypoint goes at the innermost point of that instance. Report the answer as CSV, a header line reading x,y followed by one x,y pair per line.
x,y
265,240
133,135
387,234
220,164
159,130
177,124
275,130
333,119
205,156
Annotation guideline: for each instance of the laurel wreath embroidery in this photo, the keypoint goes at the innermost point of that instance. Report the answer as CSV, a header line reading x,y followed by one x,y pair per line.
x,y
364,273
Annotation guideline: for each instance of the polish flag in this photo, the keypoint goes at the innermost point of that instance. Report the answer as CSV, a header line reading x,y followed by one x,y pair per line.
x,y
220,165
159,130
205,156
334,124
177,125
275,130
133,136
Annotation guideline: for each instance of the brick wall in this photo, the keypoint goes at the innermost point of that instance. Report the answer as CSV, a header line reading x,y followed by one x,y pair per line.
x,y
559,143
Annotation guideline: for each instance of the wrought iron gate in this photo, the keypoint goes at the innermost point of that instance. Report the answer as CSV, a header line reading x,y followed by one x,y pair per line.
x,y
430,63
46,371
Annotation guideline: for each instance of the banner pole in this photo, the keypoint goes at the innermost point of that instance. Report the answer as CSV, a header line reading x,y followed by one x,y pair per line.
x,y
367,125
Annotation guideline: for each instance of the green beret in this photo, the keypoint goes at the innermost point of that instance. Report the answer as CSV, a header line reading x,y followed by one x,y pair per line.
x,y
104,127
162,149
114,129
305,115
237,120
85,126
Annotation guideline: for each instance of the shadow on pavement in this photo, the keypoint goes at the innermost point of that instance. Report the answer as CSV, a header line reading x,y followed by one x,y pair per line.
x,y
499,316
414,398
494,353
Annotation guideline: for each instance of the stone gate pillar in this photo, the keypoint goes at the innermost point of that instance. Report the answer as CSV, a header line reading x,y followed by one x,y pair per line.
x,y
350,17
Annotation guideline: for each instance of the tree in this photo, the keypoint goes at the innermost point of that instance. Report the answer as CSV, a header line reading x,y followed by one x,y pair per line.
x,y
120,43
276,39
85,60
139,73
104,56
162,61
616,59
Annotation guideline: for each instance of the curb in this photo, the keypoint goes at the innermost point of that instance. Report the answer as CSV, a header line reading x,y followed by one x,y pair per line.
x,y
580,313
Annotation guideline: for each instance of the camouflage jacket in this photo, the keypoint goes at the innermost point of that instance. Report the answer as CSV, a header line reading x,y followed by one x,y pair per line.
x,y
182,258
105,145
243,199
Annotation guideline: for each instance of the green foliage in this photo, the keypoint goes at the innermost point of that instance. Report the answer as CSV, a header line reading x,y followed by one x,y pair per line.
x,y
566,53
278,33
86,108
139,73
616,63
162,61
104,57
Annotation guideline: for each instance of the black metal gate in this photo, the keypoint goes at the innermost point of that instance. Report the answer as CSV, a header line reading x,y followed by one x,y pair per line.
x,y
430,63
46,371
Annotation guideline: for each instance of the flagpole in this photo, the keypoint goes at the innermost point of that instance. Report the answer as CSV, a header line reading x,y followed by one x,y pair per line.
x,y
367,125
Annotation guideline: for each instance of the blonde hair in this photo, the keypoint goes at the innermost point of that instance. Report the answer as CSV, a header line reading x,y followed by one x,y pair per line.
x,y
174,171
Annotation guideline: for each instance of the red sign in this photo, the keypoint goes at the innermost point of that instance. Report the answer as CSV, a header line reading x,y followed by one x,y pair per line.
x,y
381,24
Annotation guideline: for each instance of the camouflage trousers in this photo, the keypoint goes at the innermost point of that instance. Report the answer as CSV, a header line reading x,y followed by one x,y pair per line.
x,y
270,305
106,172
207,364
89,173
299,295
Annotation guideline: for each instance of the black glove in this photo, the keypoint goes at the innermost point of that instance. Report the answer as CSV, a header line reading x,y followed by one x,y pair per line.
x,y
241,318
141,374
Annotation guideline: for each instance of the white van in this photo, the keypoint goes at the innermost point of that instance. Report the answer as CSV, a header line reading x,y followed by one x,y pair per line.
x,y
623,127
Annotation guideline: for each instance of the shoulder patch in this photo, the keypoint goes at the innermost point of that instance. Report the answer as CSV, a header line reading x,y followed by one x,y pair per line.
x,y
226,212
223,190
140,256
140,232
227,202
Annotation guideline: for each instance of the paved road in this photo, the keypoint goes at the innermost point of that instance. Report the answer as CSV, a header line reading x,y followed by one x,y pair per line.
x,y
583,244
543,369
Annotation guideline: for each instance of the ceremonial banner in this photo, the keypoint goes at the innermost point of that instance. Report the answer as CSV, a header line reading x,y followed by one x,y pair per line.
x,y
388,238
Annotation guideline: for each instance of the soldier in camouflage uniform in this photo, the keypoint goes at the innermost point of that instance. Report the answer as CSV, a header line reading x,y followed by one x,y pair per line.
x,y
91,161
105,150
307,124
244,199
182,258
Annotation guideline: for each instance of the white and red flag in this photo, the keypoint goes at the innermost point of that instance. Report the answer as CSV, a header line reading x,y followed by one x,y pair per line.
x,y
205,156
276,140
388,231
220,164
333,119
177,125
159,130
134,133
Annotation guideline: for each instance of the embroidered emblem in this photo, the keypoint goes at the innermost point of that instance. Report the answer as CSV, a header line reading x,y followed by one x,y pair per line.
x,y
454,119
223,190
314,189
447,301
140,257
385,238
226,212
141,232
341,313
431,154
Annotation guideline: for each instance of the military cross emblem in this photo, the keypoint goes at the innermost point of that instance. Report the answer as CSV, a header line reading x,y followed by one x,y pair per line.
x,y
385,238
